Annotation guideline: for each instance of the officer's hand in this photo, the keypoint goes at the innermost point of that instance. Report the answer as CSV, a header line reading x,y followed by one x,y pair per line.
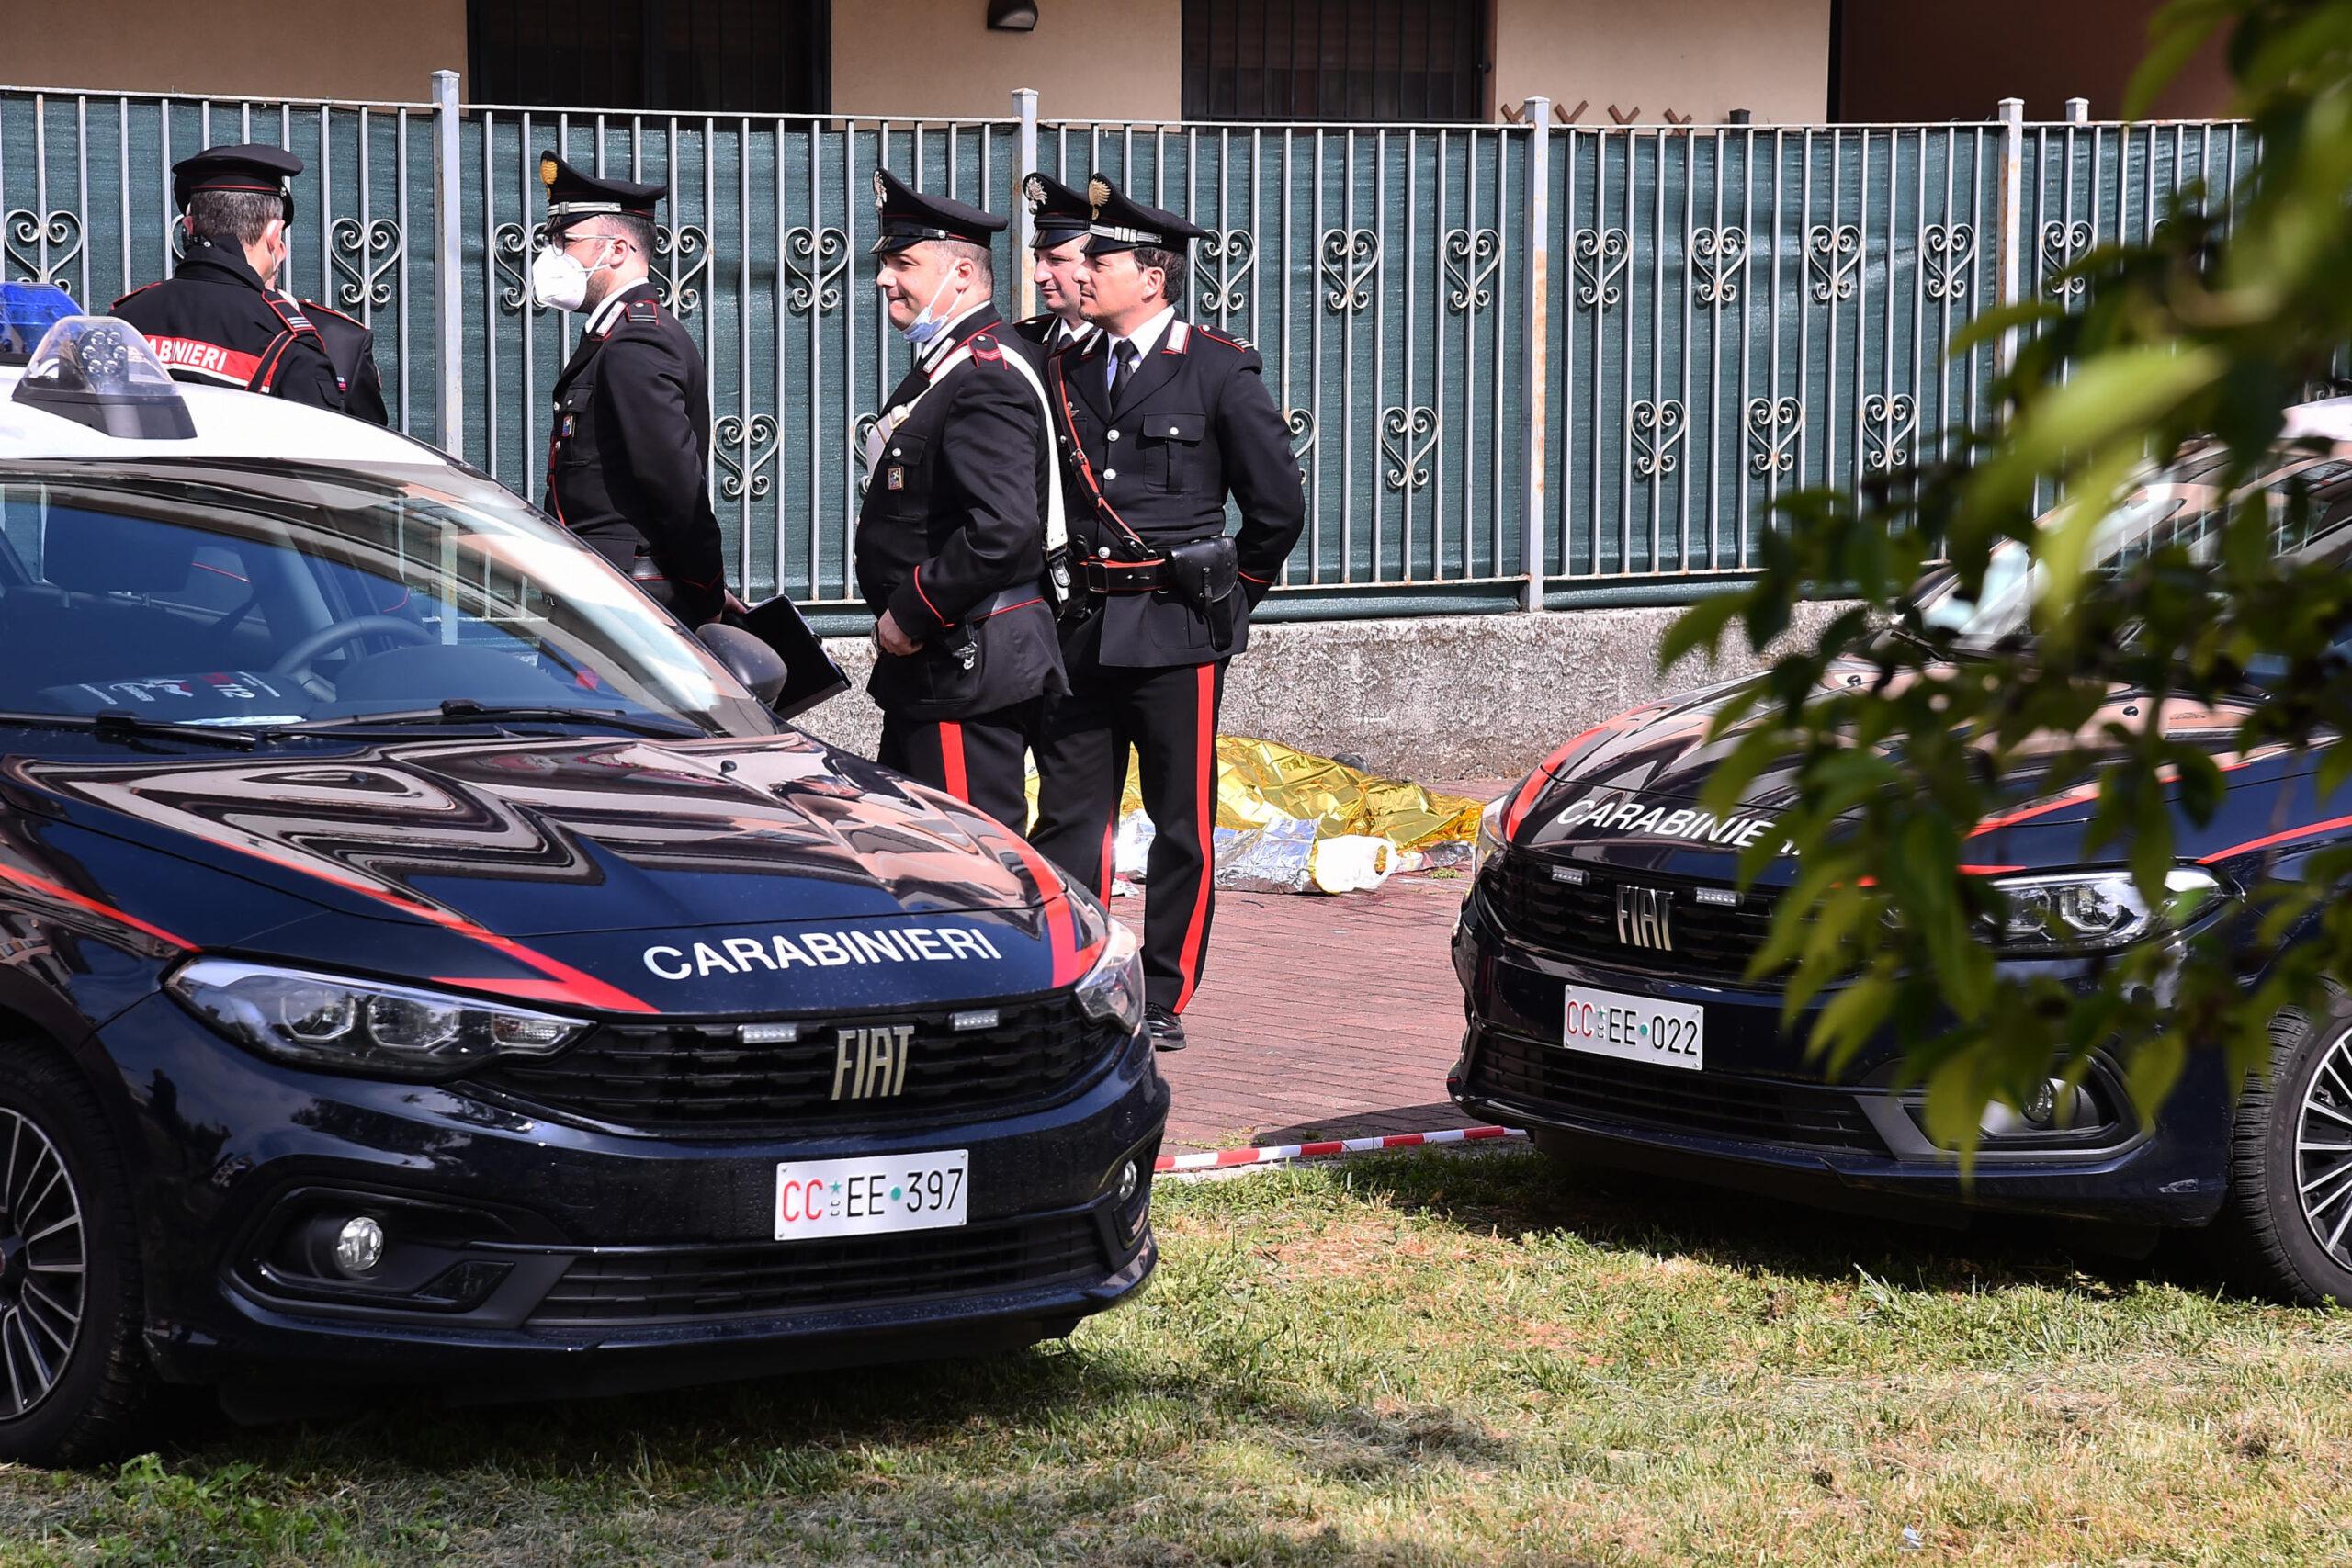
x,y
887,632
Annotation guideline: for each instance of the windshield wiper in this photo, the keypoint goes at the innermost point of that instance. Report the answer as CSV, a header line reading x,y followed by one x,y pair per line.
x,y
465,710
114,723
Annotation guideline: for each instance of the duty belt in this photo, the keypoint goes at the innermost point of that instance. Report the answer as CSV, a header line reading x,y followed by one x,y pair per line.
x,y
1099,576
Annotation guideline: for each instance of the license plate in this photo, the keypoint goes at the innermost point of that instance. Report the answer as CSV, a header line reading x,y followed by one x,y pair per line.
x,y
869,1197
1633,1029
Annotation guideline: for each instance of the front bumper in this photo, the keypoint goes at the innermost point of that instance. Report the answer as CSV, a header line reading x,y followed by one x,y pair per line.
x,y
1759,1114
546,1255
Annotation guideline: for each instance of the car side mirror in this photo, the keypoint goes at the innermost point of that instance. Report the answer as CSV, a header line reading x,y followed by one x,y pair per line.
x,y
759,666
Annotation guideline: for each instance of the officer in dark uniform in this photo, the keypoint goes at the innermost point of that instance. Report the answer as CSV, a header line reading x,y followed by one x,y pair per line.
x,y
219,317
351,349
951,540
1058,222
628,448
1160,419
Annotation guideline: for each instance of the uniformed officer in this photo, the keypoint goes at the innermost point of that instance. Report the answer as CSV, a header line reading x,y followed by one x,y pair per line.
x,y
1160,419
220,318
628,448
951,540
1058,220
351,349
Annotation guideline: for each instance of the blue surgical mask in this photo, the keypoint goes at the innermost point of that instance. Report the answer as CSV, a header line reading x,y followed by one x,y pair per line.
x,y
925,326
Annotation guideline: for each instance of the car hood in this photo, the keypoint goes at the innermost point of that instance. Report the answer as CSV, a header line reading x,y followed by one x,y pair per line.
x,y
1627,790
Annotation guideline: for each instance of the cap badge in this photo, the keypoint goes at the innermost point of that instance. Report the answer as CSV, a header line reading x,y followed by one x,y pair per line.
x,y
1098,192
547,170
881,191
1035,189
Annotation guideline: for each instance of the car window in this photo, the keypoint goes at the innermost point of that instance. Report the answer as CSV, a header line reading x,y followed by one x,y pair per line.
x,y
218,594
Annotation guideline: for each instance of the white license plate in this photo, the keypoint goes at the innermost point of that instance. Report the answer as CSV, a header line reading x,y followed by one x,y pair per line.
x,y
868,1197
1634,1029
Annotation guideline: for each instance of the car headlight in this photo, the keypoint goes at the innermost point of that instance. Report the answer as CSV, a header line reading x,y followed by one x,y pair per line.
x,y
1113,989
361,1026
1490,844
2093,911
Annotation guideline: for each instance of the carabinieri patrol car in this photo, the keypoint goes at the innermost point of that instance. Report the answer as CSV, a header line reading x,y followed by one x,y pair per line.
x,y
1604,943
421,960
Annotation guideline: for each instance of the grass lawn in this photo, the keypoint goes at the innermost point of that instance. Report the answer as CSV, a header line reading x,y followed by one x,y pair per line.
x,y
1422,1358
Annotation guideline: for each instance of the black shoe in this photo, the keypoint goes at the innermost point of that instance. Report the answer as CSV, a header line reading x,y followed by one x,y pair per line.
x,y
1167,1033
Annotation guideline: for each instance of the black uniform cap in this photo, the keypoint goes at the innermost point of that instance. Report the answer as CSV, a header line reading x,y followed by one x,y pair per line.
x,y
573,196
1057,213
1119,223
907,217
248,166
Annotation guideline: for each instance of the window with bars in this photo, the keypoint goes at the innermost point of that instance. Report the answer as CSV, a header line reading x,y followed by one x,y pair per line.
x,y
682,56
1335,60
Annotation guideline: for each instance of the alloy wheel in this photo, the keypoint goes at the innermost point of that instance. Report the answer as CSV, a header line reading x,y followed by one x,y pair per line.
x,y
43,1263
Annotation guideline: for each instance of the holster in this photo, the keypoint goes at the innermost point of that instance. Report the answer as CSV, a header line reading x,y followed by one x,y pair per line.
x,y
1207,574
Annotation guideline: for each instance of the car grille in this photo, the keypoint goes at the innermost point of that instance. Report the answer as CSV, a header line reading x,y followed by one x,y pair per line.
x,y
686,1076
1579,920
784,1276
1578,1087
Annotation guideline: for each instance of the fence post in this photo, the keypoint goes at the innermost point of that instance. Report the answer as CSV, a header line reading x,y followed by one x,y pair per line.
x,y
1537,325
1024,109
2011,248
449,290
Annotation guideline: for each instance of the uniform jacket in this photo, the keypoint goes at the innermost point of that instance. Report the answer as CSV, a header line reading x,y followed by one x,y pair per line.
x,y
351,348
951,539
1035,336
1194,422
628,455
213,322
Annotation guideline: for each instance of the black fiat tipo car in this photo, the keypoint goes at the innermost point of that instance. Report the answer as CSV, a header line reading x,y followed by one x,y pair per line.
x,y
1604,943
421,960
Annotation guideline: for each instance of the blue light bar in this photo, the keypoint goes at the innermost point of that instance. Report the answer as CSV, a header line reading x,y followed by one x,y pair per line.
x,y
26,312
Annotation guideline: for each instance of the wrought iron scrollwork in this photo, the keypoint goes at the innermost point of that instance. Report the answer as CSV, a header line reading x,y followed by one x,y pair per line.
x,y
1601,257
1772,427
1716,255
364,253
754,439
1470,258
859,429
514,248
1658,428
1226,263
2063,244
687,250
1410,436
32,231
1350,258
1835,255
1300,423
1949,255
1888,422
816,259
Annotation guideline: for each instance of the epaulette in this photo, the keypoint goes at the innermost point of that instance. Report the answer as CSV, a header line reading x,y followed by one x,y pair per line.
x,y
642,311
985,348
135,294
1240,343
312,307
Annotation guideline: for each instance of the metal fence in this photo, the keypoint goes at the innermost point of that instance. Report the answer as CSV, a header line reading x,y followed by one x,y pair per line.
x,y
1603,352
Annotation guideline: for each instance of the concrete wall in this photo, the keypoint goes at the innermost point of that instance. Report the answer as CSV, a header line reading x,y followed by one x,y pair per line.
x,y
1904,61
1088,59
1426,697
1700,58
283,48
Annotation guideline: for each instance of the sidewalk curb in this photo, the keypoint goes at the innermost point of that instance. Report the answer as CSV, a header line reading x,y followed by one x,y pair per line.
x,y
1279,1154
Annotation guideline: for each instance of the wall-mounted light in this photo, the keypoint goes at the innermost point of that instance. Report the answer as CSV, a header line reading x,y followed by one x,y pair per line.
x,y
1012,15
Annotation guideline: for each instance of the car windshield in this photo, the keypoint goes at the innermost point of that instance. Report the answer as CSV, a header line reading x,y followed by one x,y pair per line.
x,y
2179,505
252,594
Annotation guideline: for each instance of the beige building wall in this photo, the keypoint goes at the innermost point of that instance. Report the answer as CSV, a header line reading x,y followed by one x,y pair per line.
x,y
263,48
1088,59
1699,58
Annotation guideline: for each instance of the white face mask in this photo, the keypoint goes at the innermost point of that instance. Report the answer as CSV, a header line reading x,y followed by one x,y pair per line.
x,y
558,280
925,326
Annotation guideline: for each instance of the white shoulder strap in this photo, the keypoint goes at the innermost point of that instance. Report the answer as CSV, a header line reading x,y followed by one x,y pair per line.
x,y
1057,526
878,438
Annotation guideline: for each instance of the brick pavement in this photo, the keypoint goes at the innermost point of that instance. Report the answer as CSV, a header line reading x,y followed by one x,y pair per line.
x,y
1321,1017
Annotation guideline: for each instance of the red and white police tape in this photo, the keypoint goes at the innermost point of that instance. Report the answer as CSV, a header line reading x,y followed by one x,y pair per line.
x,y
1219,1159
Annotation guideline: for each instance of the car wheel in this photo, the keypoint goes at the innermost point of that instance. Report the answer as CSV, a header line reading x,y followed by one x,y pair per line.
x,y
2285,1229
73,1372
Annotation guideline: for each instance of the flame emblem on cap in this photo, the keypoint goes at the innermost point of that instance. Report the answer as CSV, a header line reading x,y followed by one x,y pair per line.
x,y
1099,192
547,170
1033,187
881,191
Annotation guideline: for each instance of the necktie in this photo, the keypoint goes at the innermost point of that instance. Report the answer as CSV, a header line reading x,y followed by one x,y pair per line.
x,y
1123,365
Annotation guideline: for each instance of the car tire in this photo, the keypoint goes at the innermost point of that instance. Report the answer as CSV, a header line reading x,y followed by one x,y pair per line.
x,y
74,1369
2285,1229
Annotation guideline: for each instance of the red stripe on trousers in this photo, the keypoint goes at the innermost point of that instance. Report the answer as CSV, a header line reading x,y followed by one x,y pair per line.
x,y
1188,959
950,762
